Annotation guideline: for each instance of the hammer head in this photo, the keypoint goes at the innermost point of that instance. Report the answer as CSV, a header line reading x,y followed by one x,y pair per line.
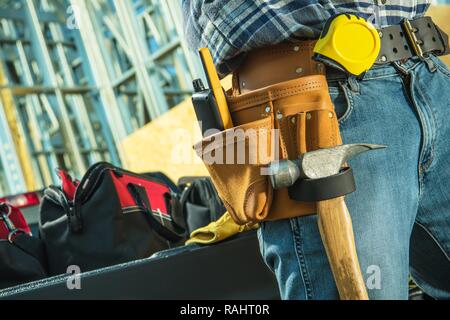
x,y
316,164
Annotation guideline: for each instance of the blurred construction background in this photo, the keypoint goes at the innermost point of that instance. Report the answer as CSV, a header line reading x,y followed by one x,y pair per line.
x,y
88,80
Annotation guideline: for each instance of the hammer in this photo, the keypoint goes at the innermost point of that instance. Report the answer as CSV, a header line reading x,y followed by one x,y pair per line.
x,y
335,224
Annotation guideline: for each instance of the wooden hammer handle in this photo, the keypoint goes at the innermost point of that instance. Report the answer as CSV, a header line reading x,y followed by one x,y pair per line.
x,y
336,230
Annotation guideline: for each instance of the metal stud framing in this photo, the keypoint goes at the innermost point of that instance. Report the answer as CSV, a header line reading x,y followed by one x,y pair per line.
x,y
82,75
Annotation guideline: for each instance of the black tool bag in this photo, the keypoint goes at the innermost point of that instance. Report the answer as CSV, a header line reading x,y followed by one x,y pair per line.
x,y
201,203
22,256
109,217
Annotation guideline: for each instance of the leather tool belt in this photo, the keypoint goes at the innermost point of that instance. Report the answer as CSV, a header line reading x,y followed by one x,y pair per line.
x,y
412,38
281,87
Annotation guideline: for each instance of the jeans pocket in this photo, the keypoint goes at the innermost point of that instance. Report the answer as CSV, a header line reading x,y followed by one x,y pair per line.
x,y
342,99
442,67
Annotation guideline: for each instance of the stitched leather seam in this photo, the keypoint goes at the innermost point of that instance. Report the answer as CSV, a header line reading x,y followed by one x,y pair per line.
x,y
282,139
333,137
237,105
250,192
221,144
292,133
275,92
302,46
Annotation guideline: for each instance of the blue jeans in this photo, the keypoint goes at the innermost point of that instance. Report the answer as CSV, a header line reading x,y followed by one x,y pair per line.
x,y
401,208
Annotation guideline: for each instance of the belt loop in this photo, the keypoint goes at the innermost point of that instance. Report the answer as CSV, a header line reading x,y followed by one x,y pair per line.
x,y
353,84
430,64
400,68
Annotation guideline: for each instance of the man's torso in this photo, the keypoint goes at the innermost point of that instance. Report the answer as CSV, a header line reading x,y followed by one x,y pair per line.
x,y
229,28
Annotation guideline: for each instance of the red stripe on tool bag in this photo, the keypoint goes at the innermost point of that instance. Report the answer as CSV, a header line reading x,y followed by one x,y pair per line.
x,y
11,220
156,192
69,186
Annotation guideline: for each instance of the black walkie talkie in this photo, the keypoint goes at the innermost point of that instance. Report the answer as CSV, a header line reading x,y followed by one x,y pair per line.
x,y
205,107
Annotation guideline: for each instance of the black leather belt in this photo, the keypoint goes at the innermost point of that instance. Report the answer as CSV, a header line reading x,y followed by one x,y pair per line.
x,y
412,38
326,188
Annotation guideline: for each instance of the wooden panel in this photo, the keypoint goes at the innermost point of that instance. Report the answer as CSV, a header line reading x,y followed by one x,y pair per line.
x,y
166,143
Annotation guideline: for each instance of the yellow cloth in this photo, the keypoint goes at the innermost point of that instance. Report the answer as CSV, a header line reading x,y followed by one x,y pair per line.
x,y
219,230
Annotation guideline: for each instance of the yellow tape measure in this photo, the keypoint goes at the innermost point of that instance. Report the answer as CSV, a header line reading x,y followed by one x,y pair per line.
x,y
348,42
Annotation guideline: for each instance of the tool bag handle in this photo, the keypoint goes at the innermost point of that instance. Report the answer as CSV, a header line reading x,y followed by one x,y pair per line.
x,y
140,195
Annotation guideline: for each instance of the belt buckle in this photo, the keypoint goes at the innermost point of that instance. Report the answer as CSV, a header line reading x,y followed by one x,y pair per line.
x,y
414,42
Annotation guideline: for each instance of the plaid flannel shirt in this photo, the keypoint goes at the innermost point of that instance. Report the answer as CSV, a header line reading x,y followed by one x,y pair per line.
x,y
229,28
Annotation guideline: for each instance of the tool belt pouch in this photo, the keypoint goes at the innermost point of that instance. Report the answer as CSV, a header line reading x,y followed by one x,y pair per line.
x,y
235,159
303,114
